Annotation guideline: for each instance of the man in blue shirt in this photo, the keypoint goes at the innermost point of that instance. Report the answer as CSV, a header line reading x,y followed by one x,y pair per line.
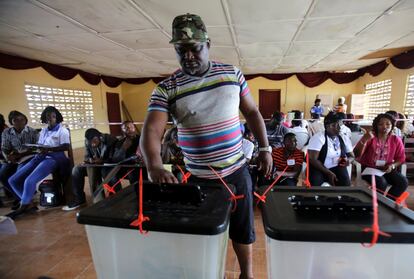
x,y
317,108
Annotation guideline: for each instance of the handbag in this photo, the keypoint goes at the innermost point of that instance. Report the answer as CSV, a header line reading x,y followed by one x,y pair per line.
x,y
50,195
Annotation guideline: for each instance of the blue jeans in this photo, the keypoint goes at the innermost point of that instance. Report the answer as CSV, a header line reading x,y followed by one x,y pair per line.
x,y
6,171
24,181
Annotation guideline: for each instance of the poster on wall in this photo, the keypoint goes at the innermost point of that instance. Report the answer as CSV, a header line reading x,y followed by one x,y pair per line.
x,y
359,104
326,102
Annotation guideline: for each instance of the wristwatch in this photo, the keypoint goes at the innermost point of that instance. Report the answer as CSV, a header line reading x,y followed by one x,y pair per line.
x,y
393,166
265,149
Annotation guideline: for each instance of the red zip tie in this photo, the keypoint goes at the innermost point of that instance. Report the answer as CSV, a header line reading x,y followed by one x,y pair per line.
x,y
233,197
401,199
111,189
263,196
375,229
141,218
185,177
307,182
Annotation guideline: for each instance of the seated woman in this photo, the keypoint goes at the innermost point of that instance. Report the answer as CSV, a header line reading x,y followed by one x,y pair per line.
x,y
53,140
288,156
384,151
330,154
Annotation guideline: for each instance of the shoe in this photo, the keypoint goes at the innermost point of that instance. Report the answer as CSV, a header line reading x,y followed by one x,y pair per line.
x,y
24,208
16,205
73,205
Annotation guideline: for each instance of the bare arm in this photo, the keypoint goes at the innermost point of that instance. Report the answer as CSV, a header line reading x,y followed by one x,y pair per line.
x,y
151,136
360,146
256,124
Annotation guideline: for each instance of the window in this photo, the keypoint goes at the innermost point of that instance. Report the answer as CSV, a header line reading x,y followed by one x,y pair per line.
x,y
379,97
74,105
409,97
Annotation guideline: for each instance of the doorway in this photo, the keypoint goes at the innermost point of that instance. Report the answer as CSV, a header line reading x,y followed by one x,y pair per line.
x,y
269,102
114,113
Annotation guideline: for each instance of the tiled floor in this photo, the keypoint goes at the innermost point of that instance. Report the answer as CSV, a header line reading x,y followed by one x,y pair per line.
x,y
51,243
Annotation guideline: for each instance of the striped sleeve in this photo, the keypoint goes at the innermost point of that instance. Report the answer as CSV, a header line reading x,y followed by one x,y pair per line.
x,y
244,88
299,157
278,160
159,99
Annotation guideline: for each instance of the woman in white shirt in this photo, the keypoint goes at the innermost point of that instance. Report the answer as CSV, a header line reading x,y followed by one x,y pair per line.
x,y
53,141
330,154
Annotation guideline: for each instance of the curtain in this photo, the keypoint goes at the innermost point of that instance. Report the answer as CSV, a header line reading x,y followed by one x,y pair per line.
x,y
402,61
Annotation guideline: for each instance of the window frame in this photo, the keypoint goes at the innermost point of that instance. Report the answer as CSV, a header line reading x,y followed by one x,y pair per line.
x,y
75,105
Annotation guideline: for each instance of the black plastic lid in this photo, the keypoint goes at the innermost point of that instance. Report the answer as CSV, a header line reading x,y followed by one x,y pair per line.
x,y
209,216
283,222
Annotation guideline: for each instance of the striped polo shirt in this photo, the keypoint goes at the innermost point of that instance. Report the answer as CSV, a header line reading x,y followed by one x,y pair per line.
x,y
206,111
280,159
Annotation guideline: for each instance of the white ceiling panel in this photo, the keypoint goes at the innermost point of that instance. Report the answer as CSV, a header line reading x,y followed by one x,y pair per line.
x,y
140,39
102,15
36,54
220,53
220,36
122,56
130,37
38,43
334,28
405,41
164,11
243,11
263,50
356,64
300,61
386,30
329,8
404,5
265,32
160,53
87,41
314,48
271,62
24,15
249,70
8,32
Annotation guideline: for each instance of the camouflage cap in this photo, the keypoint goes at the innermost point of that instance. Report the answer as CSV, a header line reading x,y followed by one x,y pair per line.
x,y
188,28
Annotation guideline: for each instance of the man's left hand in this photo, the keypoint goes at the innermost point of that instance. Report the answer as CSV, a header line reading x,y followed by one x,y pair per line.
x,y
265,163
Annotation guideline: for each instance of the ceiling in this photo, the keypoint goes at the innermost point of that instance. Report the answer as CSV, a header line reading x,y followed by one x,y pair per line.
x,y
129,38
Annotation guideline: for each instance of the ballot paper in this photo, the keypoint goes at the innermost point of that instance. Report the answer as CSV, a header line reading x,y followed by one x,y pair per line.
x,y
372,171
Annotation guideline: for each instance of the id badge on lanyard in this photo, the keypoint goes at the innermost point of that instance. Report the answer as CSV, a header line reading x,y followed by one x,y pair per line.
x,y
380,163
291,162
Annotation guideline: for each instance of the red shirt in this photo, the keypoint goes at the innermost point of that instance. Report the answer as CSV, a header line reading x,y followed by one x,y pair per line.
x,y
280,159
391,151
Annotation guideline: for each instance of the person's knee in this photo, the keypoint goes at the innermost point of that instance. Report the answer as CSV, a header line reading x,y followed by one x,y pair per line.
x,y
13,180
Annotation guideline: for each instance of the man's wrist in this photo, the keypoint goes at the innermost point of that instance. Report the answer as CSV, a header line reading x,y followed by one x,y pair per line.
x,y
265,149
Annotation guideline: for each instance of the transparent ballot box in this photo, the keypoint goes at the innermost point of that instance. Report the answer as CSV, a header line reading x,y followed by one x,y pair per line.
x,y
318,233
187,232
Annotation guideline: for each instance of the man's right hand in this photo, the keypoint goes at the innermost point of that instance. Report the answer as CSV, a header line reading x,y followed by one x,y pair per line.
x,y
161,175
13,158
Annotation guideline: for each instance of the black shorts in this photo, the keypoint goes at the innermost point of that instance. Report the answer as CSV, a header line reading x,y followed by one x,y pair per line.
x,y
242,220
